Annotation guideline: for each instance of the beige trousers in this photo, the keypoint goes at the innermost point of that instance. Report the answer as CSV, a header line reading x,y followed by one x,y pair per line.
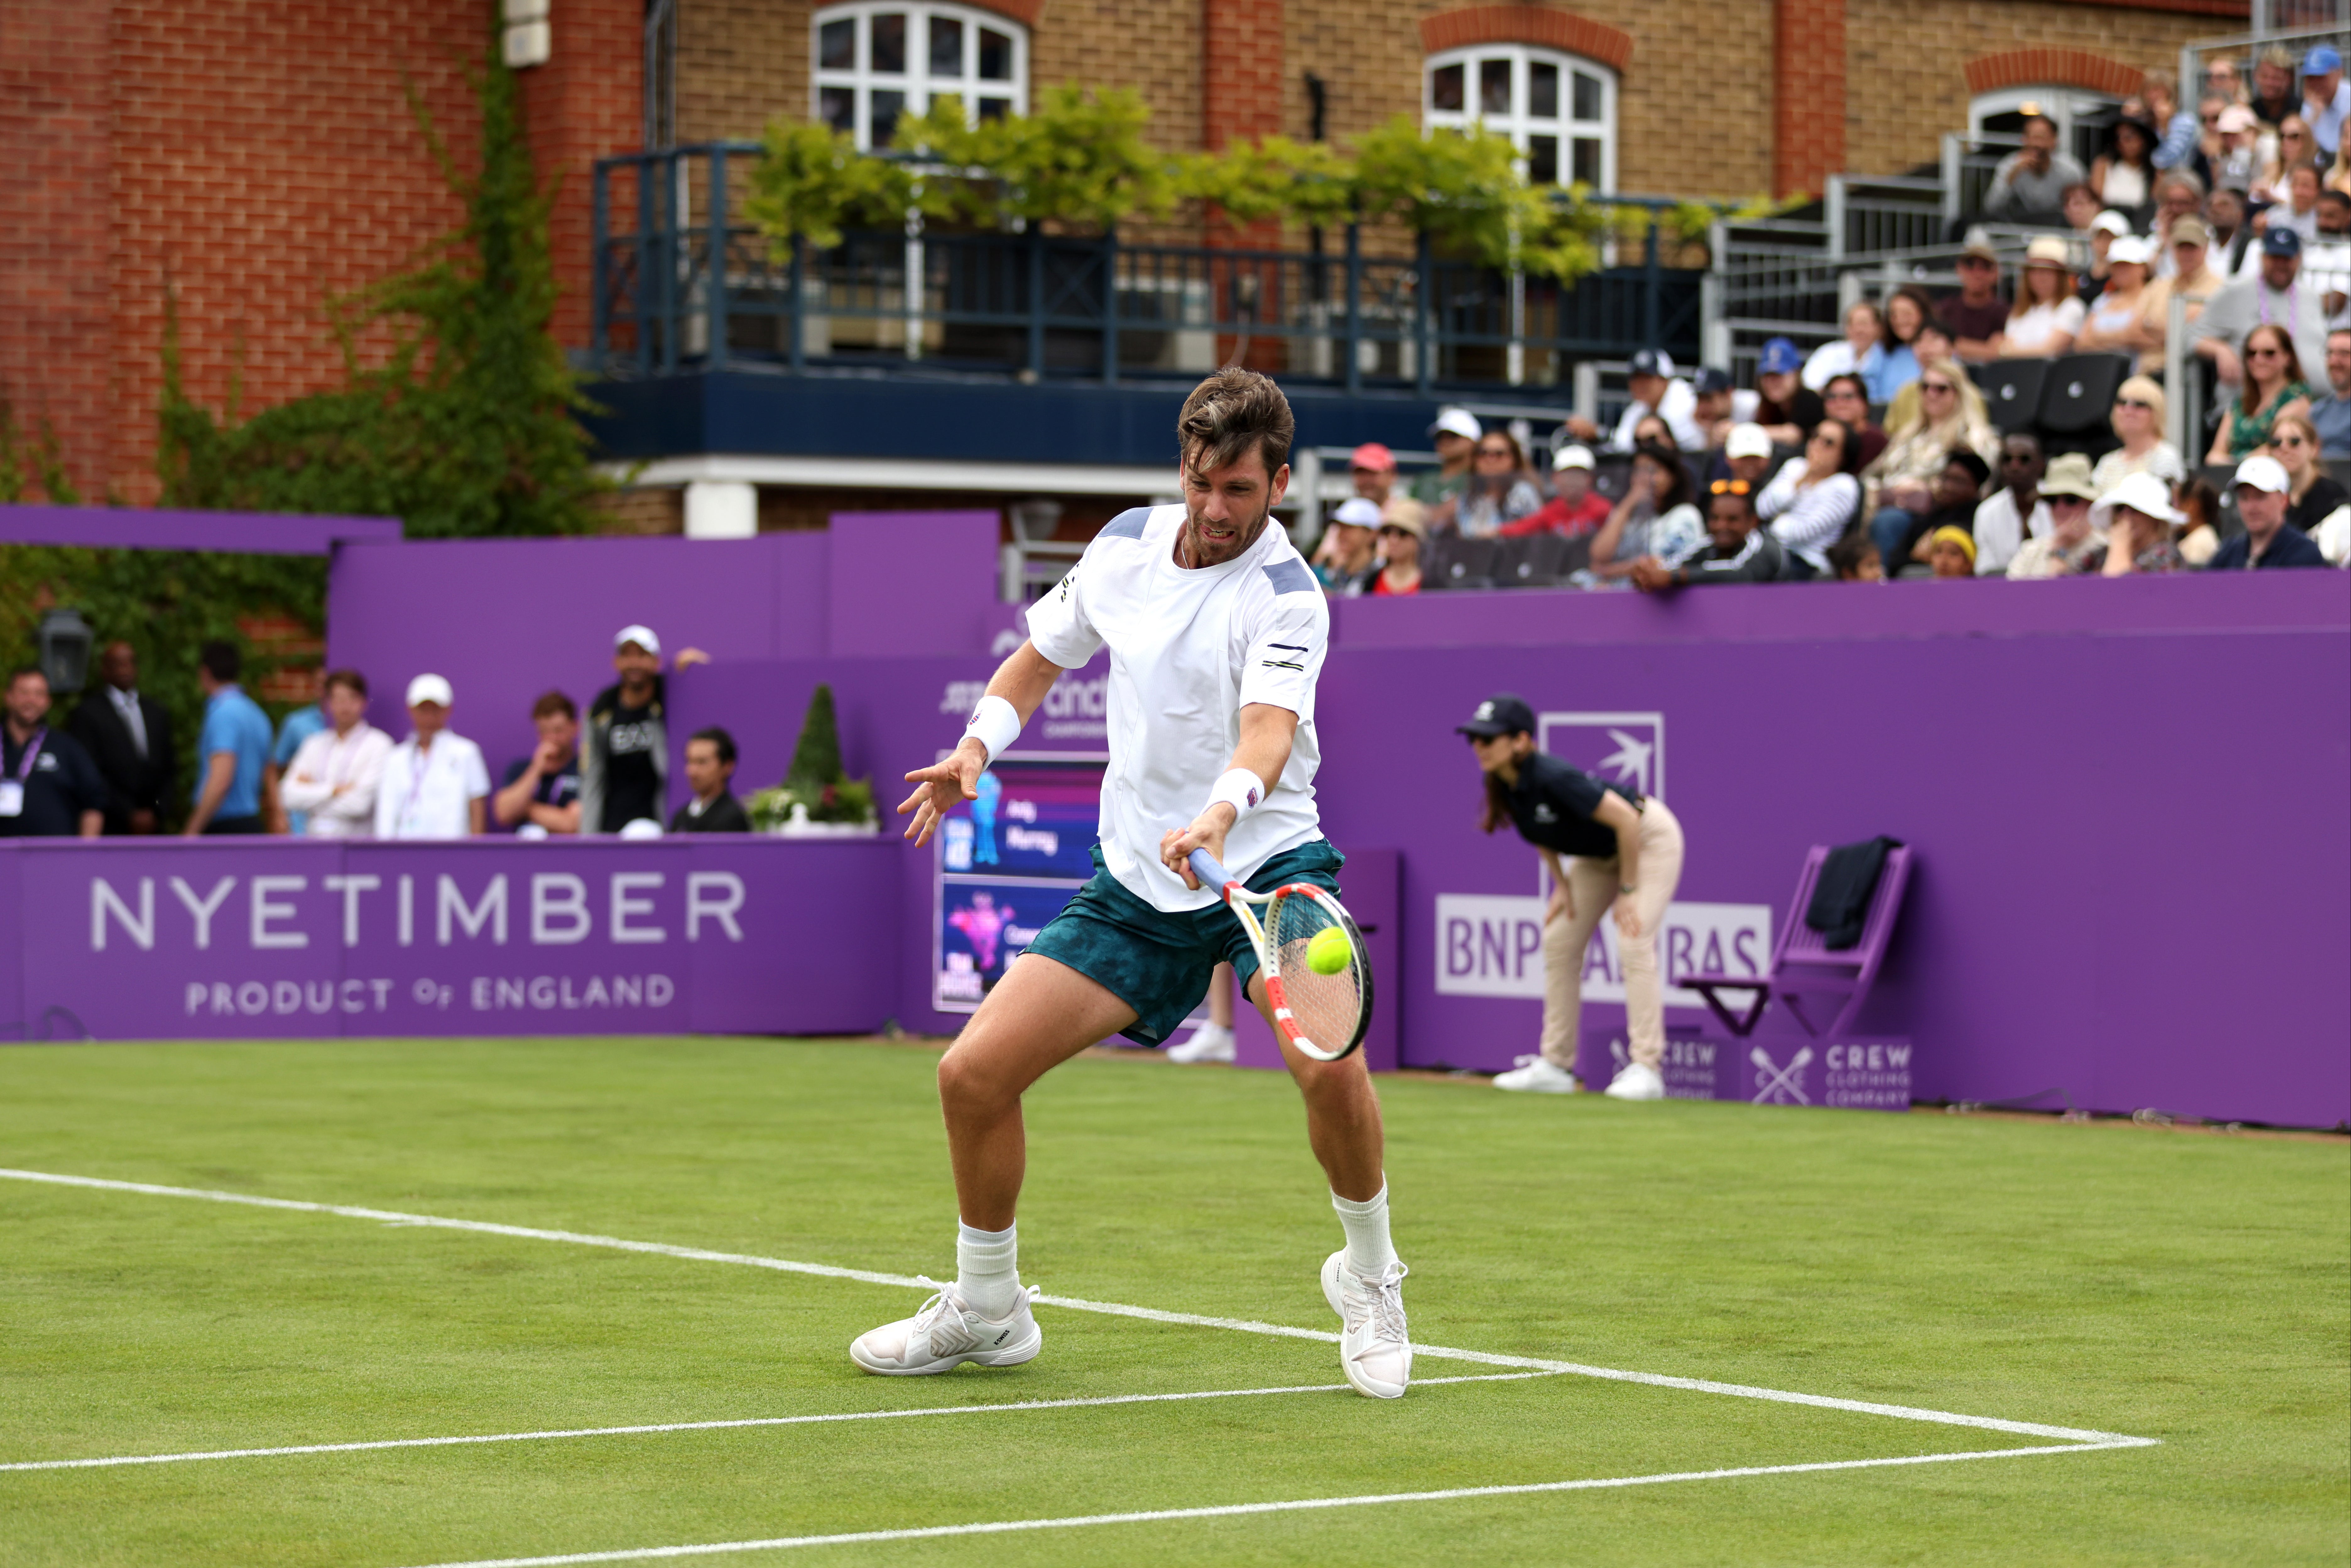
x,y
1591,885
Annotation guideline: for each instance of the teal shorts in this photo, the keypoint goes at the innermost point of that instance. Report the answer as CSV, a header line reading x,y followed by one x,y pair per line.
x,y
1160,964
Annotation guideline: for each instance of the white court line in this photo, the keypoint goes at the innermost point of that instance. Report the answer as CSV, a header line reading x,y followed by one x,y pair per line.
x,y
110,1462
1152,1315
1230,1510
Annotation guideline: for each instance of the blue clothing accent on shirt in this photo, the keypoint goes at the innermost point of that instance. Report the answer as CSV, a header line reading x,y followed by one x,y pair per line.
x,y
1128,525
234,722
2178,141
2331,415
1289,577
299,726
1893,369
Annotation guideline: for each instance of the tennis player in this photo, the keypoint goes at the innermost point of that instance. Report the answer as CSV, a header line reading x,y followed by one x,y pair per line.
x,y
1217,630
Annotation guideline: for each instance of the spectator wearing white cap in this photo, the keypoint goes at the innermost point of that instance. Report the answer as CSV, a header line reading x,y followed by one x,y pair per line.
x,y
435,784
2268,540
1349,556
1575,508
1747,453
1813,499
2137,518
1655,389
1455,435
2093,256
624,770
2046,316
2115,322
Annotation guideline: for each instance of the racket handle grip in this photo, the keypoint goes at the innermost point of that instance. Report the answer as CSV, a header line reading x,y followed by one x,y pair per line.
x,y
1204,866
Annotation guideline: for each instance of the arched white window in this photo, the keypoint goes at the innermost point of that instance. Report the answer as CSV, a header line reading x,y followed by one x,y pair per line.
x,y
2083,118
876,62
1559,109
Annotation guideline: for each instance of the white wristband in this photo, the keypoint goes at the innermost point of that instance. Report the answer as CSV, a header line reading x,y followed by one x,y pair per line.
x,y
994,723
1241,789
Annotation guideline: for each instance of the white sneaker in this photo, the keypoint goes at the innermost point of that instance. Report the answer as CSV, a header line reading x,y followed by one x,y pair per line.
x,y
946,1334
1535,1073
1636,1081
1209,1042
1374,1350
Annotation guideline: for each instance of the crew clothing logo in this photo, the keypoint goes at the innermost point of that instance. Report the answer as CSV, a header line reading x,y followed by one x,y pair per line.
x,y
1777,1086
1627,749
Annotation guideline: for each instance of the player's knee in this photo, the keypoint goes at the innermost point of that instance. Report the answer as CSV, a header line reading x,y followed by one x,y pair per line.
x,y
965,1083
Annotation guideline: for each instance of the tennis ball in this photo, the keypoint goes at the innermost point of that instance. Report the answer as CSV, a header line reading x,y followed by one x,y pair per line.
x,y
1329,952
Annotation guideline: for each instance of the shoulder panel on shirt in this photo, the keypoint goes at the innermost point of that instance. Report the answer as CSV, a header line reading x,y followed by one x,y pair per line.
x,y
1290,576
1127,525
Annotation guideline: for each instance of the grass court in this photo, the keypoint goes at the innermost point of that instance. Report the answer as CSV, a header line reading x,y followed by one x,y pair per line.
x,y
2113,1283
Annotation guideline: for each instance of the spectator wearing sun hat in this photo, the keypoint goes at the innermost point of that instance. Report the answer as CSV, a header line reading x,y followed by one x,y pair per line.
x,y
1976,315
1373,469
435,784
1576,507
625,764
2269,541
2066,492
1657,389
2137,517
1455,435
2046,316
2093,256
1349,557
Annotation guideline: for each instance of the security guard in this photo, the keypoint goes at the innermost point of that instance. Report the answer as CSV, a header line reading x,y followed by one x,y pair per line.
x,y
48,785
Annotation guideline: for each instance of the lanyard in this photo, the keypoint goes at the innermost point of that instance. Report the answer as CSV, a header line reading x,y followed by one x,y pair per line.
x,y
2262,298
32,749
420,763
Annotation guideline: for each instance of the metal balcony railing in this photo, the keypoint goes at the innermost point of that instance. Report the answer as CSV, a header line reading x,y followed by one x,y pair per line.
x,y
681,282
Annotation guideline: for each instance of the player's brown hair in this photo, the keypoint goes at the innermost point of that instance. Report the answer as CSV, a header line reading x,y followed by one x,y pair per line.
x,y
554,702
1229,412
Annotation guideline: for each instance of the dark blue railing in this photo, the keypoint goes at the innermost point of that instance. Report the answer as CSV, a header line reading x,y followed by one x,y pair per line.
x,y
680,282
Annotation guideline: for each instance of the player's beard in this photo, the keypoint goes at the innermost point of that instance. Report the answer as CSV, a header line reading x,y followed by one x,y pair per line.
x,y
1207,550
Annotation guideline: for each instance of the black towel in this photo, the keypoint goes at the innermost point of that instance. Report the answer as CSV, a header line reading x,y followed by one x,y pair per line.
x,y
1840,897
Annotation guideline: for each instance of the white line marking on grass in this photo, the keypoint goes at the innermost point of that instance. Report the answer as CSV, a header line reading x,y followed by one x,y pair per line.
x,y
724,1426
1149,1314
1231,1510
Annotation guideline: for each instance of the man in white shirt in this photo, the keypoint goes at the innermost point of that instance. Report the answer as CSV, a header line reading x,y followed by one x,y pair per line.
x,y
333,779
1655,389
435,784
1216,631
2003,522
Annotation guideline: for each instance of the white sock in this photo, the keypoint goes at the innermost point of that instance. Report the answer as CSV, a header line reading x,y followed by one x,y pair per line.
x,y
1369,1252
987,1268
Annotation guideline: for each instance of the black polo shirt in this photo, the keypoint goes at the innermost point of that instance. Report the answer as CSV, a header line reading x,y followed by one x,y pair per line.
x,y
723,815
63,784
1552,805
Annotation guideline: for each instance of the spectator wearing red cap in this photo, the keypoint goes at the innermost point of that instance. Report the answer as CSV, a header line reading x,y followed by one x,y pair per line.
x,y
1575,508
1374,469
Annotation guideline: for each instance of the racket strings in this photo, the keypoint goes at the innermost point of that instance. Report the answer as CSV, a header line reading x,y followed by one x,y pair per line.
x,y
1325,1007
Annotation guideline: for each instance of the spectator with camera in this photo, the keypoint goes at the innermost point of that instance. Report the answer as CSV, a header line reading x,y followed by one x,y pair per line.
x,y
541,791
2029,185
709,765
333,780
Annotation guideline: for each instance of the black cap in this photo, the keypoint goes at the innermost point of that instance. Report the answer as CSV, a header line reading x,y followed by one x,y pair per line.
x,y
1651,362
1710,379
1501,714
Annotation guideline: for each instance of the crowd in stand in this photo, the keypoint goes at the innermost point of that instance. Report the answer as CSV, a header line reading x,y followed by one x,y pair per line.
x,y
325,772
1876,455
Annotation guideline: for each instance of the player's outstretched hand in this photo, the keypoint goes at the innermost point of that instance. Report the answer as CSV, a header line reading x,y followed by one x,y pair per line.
x,y
1206,832
939,787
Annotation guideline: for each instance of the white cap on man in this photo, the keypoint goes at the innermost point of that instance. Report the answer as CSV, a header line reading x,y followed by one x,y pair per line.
x,y
2263,472
430,689
643,636
1358,512
1748,439
1458,421
1575,454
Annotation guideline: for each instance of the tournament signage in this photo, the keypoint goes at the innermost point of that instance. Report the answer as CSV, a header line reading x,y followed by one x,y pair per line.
x,y
1006,862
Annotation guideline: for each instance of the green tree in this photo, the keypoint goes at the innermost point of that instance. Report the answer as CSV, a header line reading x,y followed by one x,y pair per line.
x,y
469,427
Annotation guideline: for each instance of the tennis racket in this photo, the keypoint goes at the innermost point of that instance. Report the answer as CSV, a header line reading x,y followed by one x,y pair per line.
x,y
1325,1016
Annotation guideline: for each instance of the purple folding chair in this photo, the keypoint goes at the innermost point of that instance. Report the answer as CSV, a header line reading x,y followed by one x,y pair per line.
x,y
1802,967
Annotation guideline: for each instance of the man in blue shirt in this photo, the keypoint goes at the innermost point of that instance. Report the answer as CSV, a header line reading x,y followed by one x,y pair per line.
x,y
232,750
2330,411
299,726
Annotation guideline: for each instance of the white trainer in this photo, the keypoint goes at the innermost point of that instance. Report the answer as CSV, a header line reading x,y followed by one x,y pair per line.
x,y
1374,1349
1636,1081
1209,1042
1535,1075
946,1334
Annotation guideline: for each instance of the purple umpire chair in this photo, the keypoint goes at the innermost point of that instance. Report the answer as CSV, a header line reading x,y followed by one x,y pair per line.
x,y
1802,967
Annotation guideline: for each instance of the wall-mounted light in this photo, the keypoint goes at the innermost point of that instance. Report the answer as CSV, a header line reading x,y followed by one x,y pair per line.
x,y
529,37
63,641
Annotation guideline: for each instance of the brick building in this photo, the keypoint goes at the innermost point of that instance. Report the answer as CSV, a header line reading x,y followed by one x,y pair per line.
x,y
256,159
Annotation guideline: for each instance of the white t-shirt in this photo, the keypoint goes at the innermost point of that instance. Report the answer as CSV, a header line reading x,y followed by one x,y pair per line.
x,y
1677,407
1188,650
2032,333
426,795
2000,533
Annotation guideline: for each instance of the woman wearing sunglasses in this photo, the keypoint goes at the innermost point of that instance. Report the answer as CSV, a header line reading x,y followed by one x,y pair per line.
x,y
2138,420
2273,386
1498,491
1813,499
1902,481
2312,494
